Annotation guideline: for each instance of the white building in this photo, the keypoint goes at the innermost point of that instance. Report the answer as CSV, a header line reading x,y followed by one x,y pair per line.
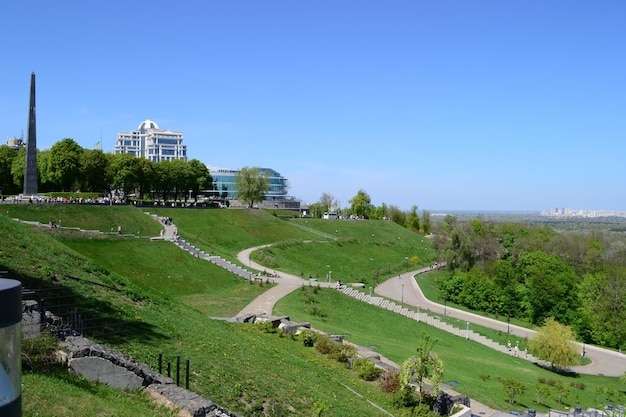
x,y
152,143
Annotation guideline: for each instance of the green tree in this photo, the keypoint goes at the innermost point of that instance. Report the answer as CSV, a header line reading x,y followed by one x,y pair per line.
x,y
124,173
200,177
603,305
513,388
7,156
542,391
426,222
426,365
146,176
413,219
554,343
561,392
65,164
360,203
94,166
251,185
551,284
396,215
17,168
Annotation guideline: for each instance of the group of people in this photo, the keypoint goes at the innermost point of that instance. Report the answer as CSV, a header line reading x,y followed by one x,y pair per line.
x,y
516,349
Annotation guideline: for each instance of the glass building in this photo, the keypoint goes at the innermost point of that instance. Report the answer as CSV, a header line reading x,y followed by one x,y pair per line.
x,y
224,180
152,143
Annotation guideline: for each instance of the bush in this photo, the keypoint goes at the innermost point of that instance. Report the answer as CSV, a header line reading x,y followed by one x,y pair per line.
x,y
309,338
366,369
405,398
325,345
343,353
390,381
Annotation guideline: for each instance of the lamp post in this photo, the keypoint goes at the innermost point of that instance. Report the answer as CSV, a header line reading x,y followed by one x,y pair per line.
x,y
403,293
370,292
418,312
445,308
467,330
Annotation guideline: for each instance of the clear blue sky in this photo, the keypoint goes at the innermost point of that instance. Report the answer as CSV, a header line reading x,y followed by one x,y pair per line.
x,y
476,105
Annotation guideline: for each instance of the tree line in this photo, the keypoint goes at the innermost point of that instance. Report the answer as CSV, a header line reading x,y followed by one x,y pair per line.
x,y
535,272
68,167
361,206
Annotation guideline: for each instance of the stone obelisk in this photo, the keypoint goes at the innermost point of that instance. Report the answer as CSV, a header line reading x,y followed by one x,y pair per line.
x,y
30,170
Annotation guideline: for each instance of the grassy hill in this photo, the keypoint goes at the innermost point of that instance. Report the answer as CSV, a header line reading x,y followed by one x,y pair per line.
x,y
161,298
238,366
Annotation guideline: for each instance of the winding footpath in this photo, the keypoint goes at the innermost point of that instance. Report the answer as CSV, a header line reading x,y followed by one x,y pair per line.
x,y
405,289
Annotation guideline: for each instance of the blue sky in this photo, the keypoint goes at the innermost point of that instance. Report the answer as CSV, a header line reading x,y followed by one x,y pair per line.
x,y
464,105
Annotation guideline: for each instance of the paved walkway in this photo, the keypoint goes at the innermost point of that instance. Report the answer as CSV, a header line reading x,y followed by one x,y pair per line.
x,y
405,289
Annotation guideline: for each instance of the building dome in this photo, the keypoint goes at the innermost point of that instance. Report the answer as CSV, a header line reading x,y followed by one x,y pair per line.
x,y
147,124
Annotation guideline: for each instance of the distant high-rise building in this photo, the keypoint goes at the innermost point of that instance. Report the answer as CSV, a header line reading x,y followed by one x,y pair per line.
x,y
152,143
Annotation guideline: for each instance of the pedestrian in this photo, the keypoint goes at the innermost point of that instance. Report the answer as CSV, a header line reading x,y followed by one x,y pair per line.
x,y
508,346
515,350
119,229
161,232
526,353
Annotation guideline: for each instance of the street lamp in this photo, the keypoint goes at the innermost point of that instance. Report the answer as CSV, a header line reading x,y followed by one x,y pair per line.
x,y
445,307
418,312
402,293
370,292
467,331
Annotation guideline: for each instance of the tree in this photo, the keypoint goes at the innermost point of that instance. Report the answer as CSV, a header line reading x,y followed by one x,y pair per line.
x,y
396,215
604,305
326,202
513,388
251,185
65,163
360,203
124,172
146,176
554,343
200,176
542,391
426,222
7,155
413,220
94,165
17,168
551,286
426,365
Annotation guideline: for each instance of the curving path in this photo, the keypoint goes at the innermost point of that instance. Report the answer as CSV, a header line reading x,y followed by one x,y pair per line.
x,y
604,362
405,289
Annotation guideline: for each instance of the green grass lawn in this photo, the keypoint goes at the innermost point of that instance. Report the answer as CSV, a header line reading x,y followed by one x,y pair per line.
x,y
161,296
359,251
477,369
168,269
227,232
87,217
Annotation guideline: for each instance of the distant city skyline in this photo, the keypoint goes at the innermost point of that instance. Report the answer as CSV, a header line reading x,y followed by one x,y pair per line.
x,y
448,106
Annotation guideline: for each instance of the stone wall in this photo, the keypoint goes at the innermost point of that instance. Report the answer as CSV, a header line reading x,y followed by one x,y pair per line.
x,y
98,363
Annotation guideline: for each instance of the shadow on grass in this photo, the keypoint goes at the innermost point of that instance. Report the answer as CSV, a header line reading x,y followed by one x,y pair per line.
x,y
86,307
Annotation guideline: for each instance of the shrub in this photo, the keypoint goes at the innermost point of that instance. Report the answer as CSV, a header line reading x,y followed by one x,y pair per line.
x,y
366,369
405,398
325,345
390,381
343,353
309,338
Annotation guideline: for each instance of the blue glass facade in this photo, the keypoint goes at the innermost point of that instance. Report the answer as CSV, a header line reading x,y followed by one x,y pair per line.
x,y
224,180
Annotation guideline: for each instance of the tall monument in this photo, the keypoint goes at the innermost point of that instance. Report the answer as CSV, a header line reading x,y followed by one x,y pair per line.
x,y
30,170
